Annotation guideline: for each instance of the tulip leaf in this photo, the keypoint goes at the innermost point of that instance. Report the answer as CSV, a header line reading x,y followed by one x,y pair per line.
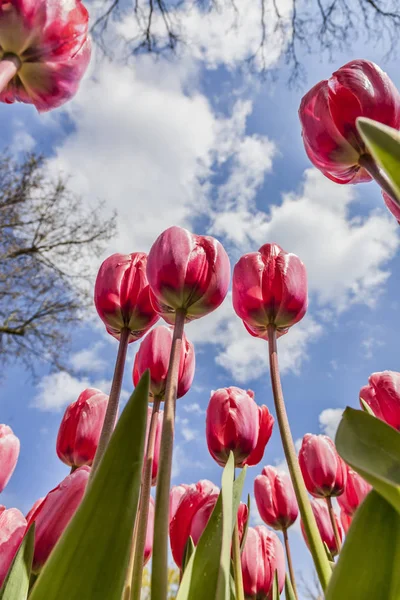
x,y
188,551
368,565
366,408
372,448
90,559
289,592
275,587
16,584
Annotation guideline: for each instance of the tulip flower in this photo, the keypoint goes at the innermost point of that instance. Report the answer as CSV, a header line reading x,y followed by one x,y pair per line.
x,y
345,520
354,493
34,507
55,512
9,452
12,530
382,395
175,496
392,206
148,548
323,470
235,423
275,498
44,51
80,429
328,114
269,287
321,514
187,272
262,556
154,354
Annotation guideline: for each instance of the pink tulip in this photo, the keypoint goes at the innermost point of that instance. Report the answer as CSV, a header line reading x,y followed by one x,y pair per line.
x,y
34,507
157,441
321,514
9,452
382,395
148,548
328,114
323,470
392,206
12,530
122,295
187,271
175,496
236,423
80,428
55,512
262,556
275,498
354,493
154,354
45,51
269,288
345,520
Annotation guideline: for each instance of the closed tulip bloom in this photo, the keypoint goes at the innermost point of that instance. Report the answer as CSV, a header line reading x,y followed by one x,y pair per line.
x,y
275,498
382,395
345,520
34,507
262,556
175,496
321,514
9,452
12,530
328,114
148,548
187,271
392,206
154,354
122,295
55,512
44,51
324,472
80,429
203,515
269,287
157,442
236,423
354,493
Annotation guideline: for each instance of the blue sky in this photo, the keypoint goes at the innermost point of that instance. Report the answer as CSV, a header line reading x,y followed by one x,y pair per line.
x,y
199,143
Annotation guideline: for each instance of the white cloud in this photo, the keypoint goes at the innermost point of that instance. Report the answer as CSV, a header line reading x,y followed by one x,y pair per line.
x,y
193,408
88,359
329,421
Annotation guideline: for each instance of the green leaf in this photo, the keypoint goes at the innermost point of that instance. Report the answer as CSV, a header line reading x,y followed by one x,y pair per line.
x,y
368,565
275,587
366,408
188,551
90,559
289,592
372,448
16,584
237,494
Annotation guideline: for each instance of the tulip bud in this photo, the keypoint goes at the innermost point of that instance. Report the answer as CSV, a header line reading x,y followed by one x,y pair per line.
x,y
392,206
9,452
12,530
48,43
328,114
323,470
262,556
236,423
187,271
275,498
148,547
175,496
81,427
122,295
154,354
354,493
157,441
382,395
321,514
345,520
269,287
55,512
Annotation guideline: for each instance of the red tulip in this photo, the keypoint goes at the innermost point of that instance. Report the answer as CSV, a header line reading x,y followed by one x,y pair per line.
x,y
34,507
154,354
392,206
45,48
157,441
324,472
262,556
354,493
269,288
81,427
321,514
122,295
175,496
55,512
345,520
275,498
382,395
12,530
328,114
148,548
187,271
9,452
236,423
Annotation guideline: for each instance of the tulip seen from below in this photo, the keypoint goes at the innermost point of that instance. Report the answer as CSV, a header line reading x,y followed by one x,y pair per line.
x,y
382,394
392,206
323,470
12,530
262,556
345,520
9,452
324,523
354,493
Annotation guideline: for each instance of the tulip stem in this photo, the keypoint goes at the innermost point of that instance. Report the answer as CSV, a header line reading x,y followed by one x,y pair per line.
x,y
314,539
113,400
289,561
159,571
237,564
367,162
9,66
334,524
135,569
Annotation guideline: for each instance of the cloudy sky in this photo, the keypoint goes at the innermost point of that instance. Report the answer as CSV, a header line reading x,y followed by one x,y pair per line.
x,y
199,142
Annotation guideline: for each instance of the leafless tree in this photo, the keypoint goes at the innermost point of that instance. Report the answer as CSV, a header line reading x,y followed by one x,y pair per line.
x,y
48,243
310,588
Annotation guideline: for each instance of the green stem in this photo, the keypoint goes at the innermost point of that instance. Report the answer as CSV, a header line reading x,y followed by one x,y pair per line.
x,y
334,524
9,66
289,561
314,539
237,564
159,571
367,162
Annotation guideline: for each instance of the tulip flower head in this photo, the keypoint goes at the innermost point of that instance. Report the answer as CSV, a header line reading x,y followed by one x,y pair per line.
x,y
269,288
382,395
328,114
175,495
354,493
148,547
275,498
392,206
80,428
9,452
321,514
323,470
12,530
236,423
34,507
262,556
187,272
44,51
345,520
